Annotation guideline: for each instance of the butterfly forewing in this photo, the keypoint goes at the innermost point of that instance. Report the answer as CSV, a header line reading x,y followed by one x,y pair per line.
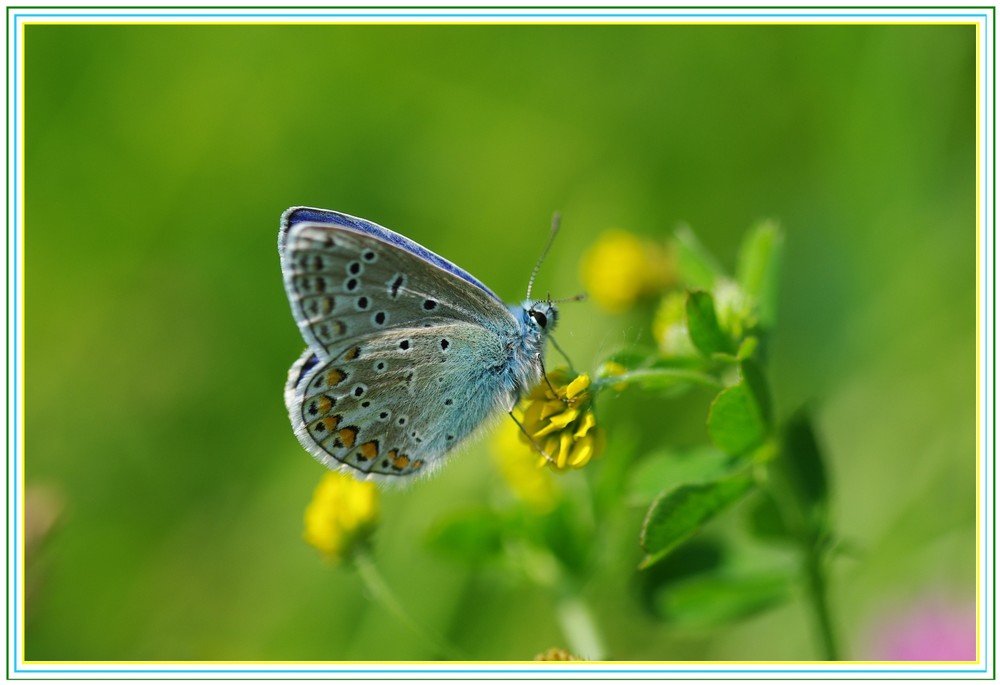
x,y
344,285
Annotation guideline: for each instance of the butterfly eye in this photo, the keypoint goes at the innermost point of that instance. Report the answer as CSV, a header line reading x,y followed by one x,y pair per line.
x,y
539,318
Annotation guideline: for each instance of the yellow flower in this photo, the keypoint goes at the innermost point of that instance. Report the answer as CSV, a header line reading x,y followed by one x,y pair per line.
x,y
342,514
620,268
562,424
556,654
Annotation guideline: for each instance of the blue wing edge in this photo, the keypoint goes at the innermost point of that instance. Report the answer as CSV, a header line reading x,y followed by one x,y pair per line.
x,y
296,215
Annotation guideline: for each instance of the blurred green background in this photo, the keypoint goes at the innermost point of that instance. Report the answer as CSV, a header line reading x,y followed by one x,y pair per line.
x,y
158,335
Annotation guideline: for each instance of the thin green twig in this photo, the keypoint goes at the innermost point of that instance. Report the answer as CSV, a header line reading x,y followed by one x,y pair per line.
x,y
578,625
655,375
816,586
380,591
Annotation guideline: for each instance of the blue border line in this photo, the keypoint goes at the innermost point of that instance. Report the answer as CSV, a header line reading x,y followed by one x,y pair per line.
x,y
18,18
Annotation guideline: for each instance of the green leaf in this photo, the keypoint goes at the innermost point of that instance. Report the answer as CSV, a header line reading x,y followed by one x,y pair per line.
x,y
696,267
712,601
703,326
698,556
766,522
803,460
740,416
758,266
747,348
753,376
472,535
667,468
679,512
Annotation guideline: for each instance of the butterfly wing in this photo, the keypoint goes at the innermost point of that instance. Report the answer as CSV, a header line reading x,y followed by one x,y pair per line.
x,y
405,358
295,215
343,284
395,403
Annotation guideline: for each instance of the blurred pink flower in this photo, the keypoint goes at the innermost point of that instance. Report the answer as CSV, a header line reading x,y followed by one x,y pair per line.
x,y
932,629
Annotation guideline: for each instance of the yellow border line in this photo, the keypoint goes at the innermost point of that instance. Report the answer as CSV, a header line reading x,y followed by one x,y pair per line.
x,y
20,324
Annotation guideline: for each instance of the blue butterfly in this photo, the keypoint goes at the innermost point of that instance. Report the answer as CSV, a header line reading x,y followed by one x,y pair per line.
x,y
407,353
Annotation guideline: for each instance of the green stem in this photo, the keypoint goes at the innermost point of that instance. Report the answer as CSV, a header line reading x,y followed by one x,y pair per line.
x,y
578,625
816,586
647,375
811,540
380,591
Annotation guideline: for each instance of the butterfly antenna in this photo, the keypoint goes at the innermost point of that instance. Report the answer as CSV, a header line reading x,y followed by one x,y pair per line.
x,y
575,298
556,219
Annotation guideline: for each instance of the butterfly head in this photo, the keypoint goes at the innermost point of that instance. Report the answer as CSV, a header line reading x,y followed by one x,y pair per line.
x,y
540,315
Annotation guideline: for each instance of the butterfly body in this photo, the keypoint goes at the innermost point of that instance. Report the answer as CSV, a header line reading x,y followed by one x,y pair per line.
x,y
408,355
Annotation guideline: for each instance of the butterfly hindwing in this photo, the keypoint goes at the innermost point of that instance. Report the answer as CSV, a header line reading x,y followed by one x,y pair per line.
x,y
344,285
397,402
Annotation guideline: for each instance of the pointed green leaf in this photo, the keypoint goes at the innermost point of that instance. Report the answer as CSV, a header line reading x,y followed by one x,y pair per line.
x,y
740,416
766,521
803,459
679,512
697,268
712,601
747,348
703,326
753,375
667,468
757,268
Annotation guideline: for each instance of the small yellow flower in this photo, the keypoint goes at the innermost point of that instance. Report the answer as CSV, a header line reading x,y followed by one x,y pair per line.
x,y
620,268
562,424
556,654
343,513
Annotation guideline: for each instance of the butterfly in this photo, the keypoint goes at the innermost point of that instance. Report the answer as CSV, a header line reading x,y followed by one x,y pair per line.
x,y
408,355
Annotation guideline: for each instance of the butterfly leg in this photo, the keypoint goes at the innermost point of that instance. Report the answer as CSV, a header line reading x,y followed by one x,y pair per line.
x,y
534,442
545,375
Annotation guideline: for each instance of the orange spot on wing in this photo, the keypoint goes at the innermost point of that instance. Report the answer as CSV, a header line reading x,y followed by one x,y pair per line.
x,y
348,436
418,464
324,404
352,353
401,462
330,422
369,450
335,376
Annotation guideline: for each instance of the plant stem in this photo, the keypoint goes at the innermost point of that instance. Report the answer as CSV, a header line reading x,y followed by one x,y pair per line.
x,y
658,375
578,625
816,584
380,591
